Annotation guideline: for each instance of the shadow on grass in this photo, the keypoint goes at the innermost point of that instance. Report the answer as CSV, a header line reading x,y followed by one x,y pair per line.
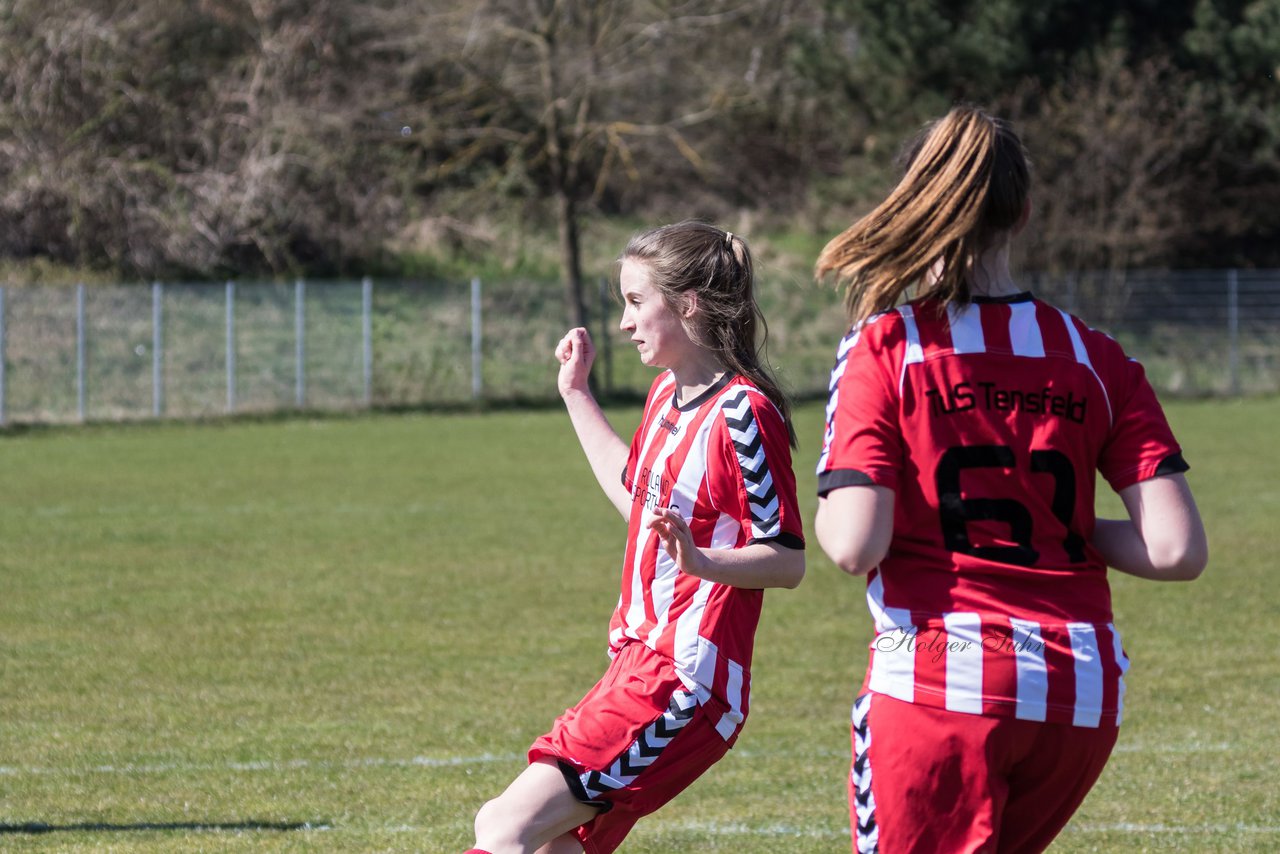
x,y
35,828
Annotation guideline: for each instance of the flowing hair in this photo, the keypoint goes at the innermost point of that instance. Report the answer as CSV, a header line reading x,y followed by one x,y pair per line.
x,y
694,257
965,186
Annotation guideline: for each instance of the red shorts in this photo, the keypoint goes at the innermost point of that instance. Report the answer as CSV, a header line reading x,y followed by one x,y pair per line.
x,y
633,743
928,780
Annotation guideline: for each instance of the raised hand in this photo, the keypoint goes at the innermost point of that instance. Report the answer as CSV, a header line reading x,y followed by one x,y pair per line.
x,y
575,353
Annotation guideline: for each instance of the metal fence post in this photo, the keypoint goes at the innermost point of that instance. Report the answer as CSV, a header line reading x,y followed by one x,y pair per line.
x,y
1233,327
366,335
3,417
157,349
477,388
300,339
80,347
231,346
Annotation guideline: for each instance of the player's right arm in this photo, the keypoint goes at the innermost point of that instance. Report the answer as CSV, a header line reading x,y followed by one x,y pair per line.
x,y
862,448
604,448
1163,539
854,526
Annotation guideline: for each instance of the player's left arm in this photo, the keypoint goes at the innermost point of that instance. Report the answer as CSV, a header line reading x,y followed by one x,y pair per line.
x,y
754,566
1163,539
749,478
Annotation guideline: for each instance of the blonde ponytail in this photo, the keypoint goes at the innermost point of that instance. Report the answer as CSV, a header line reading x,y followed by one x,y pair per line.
x,y
965,186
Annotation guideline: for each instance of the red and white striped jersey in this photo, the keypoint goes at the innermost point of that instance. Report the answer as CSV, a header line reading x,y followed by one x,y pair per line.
x,y
989,423
723,461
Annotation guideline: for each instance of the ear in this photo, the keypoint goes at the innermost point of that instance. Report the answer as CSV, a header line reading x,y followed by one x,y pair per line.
x,y
1023,217
690,305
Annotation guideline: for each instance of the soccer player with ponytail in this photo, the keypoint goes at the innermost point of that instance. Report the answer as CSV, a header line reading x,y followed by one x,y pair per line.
x,y
965,431
707,489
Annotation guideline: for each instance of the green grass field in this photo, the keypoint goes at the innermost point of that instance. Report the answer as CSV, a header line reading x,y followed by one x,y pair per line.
x,y
341,634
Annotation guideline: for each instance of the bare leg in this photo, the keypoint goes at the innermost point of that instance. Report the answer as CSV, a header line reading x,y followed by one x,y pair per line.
x,y
534,814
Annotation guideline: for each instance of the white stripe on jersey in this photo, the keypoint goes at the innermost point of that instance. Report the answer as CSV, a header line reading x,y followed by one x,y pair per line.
x,y
706,654
893,657
915,352
636,614
1033,673
616,636
687,641
1123,661
732,719
684,495
724,536
964,662
1082,356
658,396
886,618
690,648
663,590
966,329
1024,330
893,664
1088,663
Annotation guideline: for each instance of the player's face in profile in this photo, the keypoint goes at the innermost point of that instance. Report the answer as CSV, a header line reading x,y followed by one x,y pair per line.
x,y
657,331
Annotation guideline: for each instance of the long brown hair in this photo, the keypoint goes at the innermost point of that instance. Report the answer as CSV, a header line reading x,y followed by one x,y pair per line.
x,y
965,186
694,257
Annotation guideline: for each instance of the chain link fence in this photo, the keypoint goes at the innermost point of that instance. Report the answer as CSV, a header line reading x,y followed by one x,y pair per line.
x,y
195,350
1199,332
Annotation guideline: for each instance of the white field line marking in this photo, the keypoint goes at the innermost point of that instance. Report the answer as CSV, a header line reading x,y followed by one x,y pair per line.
x,y
263,765
1122,747
1134,827
735,828
251,508
272,765
37,828
1189,747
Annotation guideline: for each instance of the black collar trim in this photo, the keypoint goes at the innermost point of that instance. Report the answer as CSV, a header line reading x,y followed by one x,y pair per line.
x,y
1025,296
714,389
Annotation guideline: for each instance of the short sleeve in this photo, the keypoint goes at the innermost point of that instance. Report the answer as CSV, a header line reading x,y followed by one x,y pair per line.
x,y
862,443
1141,444
749,473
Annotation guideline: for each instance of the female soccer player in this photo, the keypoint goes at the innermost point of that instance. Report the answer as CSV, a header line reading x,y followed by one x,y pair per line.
x,y
964,430
709,496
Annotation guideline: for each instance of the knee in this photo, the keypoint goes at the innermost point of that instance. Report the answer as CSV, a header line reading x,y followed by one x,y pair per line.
x,y
494,826
487,815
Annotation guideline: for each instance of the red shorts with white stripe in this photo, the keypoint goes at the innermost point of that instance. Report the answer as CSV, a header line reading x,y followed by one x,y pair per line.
x,y
634,742
925,780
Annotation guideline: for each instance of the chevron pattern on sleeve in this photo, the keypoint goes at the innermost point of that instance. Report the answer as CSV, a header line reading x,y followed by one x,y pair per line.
x,y
645,750
766,520
867,834
833,393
